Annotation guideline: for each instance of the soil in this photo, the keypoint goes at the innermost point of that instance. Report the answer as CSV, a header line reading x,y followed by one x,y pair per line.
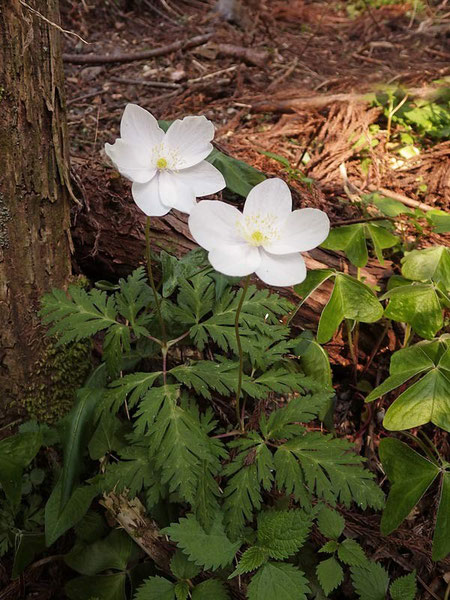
x,y
285,77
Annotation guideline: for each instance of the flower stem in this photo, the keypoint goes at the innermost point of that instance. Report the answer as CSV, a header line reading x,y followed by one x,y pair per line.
x,y
407,335
239,417
151,278
350,342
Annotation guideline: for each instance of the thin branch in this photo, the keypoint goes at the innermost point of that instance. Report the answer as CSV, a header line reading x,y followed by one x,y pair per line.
x,y
52,23
98,59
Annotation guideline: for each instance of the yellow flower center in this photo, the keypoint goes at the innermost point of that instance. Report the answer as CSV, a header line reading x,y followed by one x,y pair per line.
x,y
258,229
161,163
258,238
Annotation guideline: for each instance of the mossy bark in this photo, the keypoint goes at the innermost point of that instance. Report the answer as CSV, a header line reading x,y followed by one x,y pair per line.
x,y
34,201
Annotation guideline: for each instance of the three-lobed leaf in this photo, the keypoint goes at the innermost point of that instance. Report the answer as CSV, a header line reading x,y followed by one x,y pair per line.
x,y
429,264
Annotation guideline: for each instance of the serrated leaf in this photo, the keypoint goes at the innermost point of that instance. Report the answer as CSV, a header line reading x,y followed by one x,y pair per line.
x,y
370,581
209,549
350,299
282,533
182,590
330,547
100,587
429,264
16,452
211,589
182,567
351,553
330,574
278,580
156,588
252,559
404,588
330,523
410,475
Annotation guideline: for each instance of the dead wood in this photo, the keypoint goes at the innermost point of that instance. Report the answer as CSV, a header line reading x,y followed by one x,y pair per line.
x,y
98,59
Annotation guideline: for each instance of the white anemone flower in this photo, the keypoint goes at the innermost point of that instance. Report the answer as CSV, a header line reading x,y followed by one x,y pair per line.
x,y
168,170
265,239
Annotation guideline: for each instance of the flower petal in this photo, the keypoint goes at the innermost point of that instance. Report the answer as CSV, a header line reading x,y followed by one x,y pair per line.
x,y
285,270
214,224
146,196
175,193
237,261
302,230
140,127
188,140
130,161
203,178
271,196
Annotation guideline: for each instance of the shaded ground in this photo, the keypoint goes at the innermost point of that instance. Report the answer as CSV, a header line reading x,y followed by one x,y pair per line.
x,y
271,82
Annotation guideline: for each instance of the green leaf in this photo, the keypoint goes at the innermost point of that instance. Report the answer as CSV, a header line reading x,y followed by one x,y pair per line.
x,y
211,589
252,559
181,590
352,240
16,452
280,159
58,518
313,359
112,552
283,532
432,263
417,304
330,547
278,580
330,523
410,476
428,399
351,553
404,588
314,280
156,588
78,314
387,206
176,269
441,538
370,581
333,472
440,220
239,176
350,299
101,587
182,567
330,574
209,549
107,437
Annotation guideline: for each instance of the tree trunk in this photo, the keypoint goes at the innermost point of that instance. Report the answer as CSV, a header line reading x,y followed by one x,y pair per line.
x,y
34,203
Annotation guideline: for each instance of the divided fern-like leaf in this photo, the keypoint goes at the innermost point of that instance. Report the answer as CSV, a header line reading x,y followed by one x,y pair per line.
x,y
134,295
78,314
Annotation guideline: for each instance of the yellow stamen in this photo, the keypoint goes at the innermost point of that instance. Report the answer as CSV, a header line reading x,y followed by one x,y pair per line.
x,y
257,237
161,163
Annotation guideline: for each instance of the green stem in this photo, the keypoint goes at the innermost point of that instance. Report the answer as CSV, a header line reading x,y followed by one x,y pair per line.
x,y
151,278
239,417
431,445
407,335
350,342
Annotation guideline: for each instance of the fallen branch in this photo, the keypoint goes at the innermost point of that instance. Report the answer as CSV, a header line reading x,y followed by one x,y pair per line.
x,y
98,59
248,55
401,198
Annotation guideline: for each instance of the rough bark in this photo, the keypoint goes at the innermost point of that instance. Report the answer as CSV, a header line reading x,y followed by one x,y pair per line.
x,y
34,205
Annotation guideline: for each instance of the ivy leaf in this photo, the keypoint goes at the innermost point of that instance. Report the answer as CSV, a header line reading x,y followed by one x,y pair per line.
x,y
330,523
209,549
282,581
330,574
441,538
283,532
352,240
211,589
239,176
432,263
428,399
410,475
350,299
417,304
404,588
156,587
351,553
370,581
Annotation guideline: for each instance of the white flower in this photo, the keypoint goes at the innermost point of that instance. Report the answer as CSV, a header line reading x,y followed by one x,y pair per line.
x,y
168,170
265,239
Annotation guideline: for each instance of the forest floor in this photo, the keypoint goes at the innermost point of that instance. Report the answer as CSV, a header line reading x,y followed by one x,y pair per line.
x,y
290,78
